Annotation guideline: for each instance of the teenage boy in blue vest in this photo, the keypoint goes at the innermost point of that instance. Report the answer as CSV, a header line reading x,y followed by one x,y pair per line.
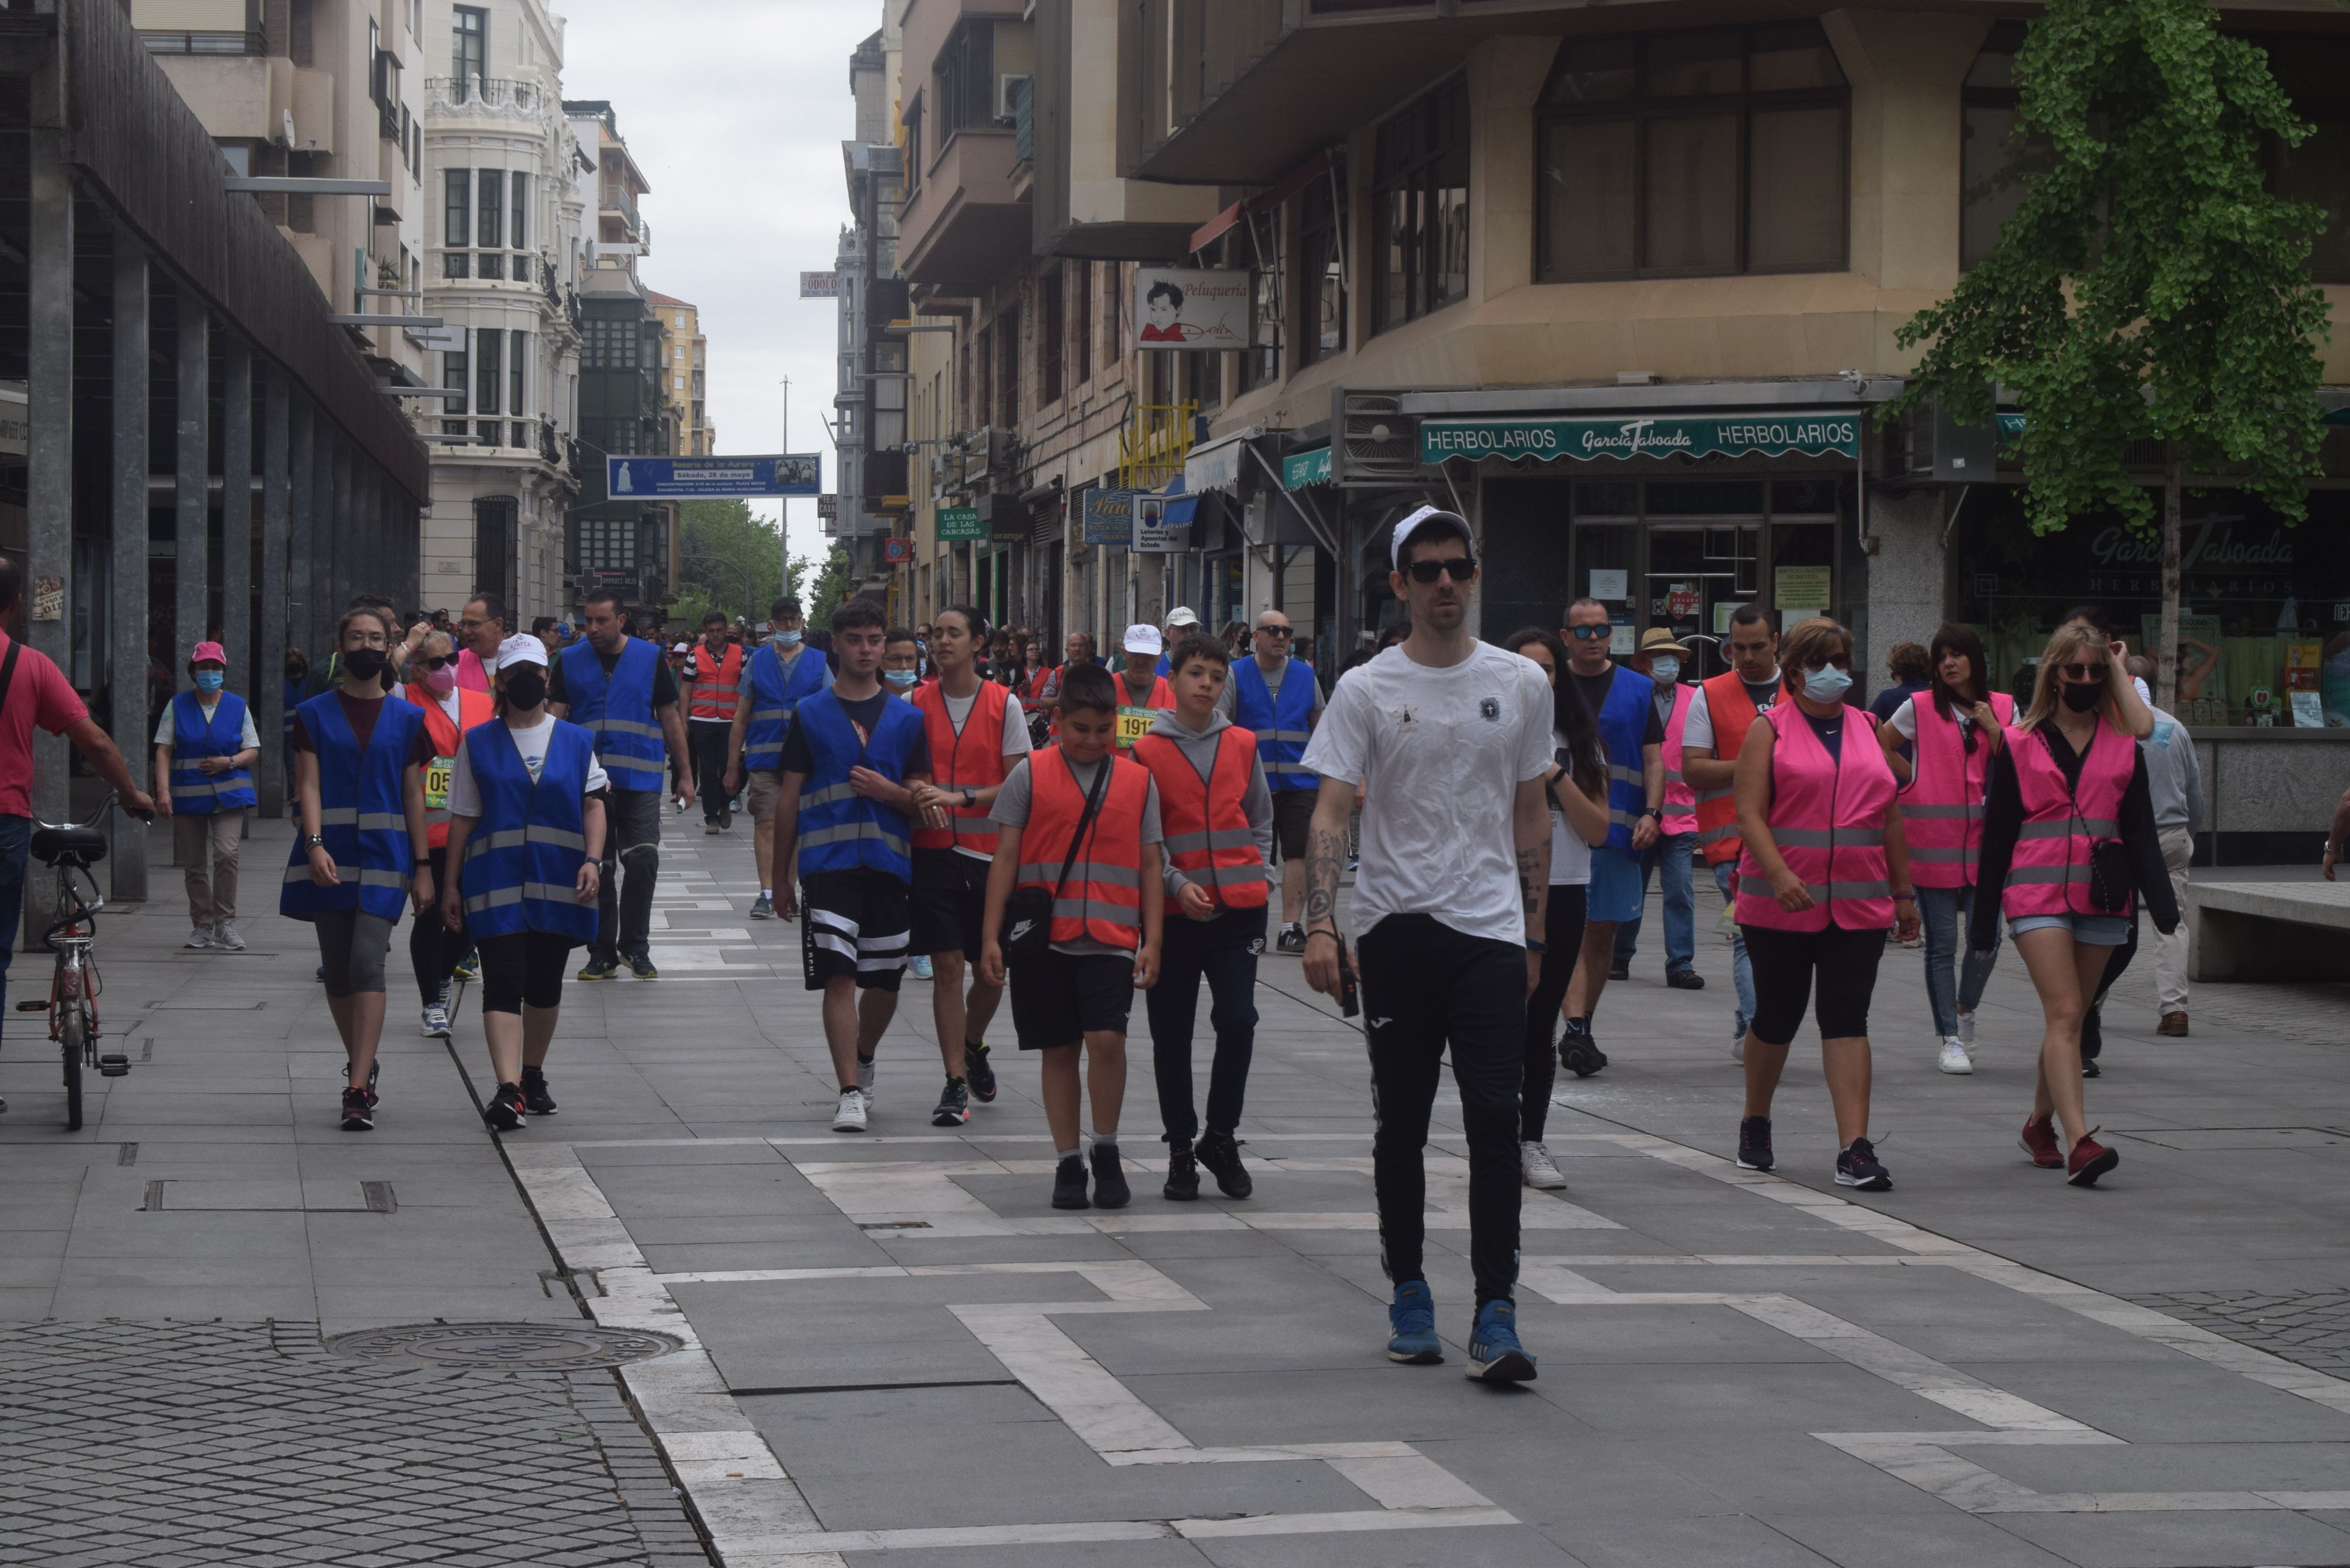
x,y
854,757
1279,697
775,679
619,689
1622,704
205,747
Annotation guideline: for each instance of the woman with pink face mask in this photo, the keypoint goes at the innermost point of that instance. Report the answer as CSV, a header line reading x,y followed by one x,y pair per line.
x,y
449,712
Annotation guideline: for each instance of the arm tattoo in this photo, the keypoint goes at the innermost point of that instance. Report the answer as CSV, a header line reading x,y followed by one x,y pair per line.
x,y
1527,873
1326,853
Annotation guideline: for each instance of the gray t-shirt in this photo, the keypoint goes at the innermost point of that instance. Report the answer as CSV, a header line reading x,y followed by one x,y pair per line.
x,y
1011,810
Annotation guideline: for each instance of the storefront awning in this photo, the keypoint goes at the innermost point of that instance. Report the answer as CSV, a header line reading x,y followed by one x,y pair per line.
x,y
1300,469
1689,435
1216,464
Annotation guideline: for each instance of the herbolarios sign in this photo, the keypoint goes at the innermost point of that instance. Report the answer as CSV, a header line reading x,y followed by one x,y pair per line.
x,y
1692,435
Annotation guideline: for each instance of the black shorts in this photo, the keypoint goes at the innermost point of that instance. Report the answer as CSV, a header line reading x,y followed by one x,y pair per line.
x,y
1058,999
854,923
950,901
1292,822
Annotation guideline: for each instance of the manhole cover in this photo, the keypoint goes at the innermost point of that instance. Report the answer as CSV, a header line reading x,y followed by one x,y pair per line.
x,y
505,1346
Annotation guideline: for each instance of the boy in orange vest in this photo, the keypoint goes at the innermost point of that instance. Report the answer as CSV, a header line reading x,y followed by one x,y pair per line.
x,y
1104,938
1218,814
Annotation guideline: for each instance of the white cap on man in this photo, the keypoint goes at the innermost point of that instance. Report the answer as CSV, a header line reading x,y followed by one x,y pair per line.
x,y
1140,638
1411,524
1182,614
522,648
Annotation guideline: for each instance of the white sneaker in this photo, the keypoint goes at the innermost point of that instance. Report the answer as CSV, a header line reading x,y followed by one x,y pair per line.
x,y
1967,1030
919,966
202,937
436,1022
1955,1060
865,1081
1536,1168
224,936
1738,1046
850,1117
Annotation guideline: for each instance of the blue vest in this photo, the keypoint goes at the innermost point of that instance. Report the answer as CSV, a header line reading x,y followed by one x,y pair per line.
x,y
841,830
360,813
617,711
195,793
1622,723
1280,722
522,862
774,695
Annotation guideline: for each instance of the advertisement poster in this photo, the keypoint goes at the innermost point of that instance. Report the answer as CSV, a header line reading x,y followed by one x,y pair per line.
x,y
1801,592
1109,516
2202,676
1609,584
1183,309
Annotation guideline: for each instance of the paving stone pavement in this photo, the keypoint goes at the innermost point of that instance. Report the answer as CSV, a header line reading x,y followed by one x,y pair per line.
x,y
897,1354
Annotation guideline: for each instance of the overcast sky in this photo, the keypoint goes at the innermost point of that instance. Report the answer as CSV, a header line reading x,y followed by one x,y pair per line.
x,y
736,109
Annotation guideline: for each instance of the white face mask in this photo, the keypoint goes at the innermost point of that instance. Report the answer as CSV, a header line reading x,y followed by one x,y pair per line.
x,y
1667,669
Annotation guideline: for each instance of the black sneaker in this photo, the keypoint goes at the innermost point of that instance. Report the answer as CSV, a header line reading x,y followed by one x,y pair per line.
x,y
1183,1172
599,969
505,1109
954,1104
1754,1144
642,966
1292,939
358,1111
1579,1053
1685,980
534,1097
1110,1191
763,908
1221,1153
1856,1167
2089,1068
1069,1184
1620,969
979,1072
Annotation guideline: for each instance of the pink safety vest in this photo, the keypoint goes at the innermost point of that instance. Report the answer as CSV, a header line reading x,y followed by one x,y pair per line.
x,y
1680,801
1827,816
1941,811
2050,872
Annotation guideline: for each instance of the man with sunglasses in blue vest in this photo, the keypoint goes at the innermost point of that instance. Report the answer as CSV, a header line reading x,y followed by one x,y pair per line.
x,y
1278,696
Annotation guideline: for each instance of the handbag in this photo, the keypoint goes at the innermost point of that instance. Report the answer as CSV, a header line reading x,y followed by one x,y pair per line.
x,y
1028,912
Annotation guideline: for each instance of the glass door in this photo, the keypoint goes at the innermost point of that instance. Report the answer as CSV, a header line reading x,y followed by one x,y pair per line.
x,y
1697,573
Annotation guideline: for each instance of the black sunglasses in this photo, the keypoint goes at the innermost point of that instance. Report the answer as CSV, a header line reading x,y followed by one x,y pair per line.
x,y
438,661
1284,631
1460,568
1841,661
2091,674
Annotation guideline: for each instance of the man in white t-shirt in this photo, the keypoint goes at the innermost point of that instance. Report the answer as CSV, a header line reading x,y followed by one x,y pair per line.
x,y
1451,738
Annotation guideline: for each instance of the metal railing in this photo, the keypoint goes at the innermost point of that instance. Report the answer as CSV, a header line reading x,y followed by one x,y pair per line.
x,y
208,43
497,94
1153,443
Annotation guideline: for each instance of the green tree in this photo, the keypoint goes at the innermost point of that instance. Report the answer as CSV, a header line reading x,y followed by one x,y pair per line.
x,y
2150,288
831,588
729,561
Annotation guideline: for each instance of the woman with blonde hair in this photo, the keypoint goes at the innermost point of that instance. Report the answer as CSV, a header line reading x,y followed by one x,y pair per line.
x,y
1823,873
2069,836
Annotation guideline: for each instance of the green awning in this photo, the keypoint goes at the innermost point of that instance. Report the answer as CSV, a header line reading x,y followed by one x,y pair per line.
x,y
1621,436
1300,469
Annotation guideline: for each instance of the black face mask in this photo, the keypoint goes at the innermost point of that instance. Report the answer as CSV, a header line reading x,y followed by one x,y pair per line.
x,y
2083,695
366,663
297,673
525,689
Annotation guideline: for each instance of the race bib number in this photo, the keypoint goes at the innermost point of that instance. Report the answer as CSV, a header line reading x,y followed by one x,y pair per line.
x,y
436,784
1133,723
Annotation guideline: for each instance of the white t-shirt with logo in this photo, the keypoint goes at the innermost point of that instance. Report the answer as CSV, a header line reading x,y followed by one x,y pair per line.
x,y
1441,753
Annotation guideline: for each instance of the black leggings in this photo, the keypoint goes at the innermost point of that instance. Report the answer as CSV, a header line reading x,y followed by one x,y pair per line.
x,y
523,967
1563,939
1784,963
433,947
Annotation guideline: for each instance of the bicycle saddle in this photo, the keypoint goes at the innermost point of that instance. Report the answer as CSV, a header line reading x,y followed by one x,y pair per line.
x,y
82,845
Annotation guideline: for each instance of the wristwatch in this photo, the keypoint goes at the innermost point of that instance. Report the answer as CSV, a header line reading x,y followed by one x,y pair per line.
x,y
314,841
1657,812
970,798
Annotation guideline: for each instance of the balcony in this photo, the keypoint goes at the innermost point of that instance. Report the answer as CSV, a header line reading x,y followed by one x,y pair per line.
x,y
963,226
486,97
210,43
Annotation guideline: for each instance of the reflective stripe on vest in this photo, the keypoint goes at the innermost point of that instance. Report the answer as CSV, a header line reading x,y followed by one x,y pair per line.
x,y
968,827
1732,713
715,693
1623,722
360,813
2050,872
1283,724
841,830
617,711
1206,820
1680,801
775,692
1827,816
194,737
1941,810
521,870
1103,896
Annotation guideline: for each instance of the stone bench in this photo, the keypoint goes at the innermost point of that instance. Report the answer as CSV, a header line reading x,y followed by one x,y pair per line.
x,y
2267,930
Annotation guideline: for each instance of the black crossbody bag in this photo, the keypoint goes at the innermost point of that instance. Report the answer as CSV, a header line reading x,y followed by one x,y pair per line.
x,y
2111,875
1028,912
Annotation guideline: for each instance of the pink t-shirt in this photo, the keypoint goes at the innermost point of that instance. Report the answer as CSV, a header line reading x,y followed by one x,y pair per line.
x,y
470,673
40,694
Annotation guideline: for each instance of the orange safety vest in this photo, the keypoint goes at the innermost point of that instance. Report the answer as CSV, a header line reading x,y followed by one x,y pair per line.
x,y
716,692
1732,713
1103,896
445,733
970,827
1208,837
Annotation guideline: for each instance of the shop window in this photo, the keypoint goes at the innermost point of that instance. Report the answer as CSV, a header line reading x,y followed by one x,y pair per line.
x,y
1419,207
1693,154
1322,268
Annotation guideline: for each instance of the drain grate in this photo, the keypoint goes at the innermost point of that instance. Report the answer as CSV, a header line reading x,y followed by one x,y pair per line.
x,y
2311,1328
504,1346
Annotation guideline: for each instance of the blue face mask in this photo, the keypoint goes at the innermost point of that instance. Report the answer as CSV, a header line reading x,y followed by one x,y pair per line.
x,y
1665,669
211,681
903,680
1827,683
784,638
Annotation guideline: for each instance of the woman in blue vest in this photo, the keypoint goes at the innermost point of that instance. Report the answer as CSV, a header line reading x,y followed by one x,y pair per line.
x,y
359,756
526,834
205,747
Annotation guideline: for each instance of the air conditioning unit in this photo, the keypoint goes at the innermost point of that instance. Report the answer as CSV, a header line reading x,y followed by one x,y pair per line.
x,y
1379,443
1941,450
1007,98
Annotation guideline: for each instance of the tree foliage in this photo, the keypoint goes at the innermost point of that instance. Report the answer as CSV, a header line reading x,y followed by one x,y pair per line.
x,y
731,561
831,588
2150,288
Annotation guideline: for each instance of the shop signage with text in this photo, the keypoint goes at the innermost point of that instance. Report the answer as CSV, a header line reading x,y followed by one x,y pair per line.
x,y
1689,435
1109,517
961,525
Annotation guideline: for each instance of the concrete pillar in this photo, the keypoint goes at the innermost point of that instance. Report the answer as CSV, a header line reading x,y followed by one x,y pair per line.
x,y
236,513
302,529
1902,599
191,564
274,631
127,660
48,477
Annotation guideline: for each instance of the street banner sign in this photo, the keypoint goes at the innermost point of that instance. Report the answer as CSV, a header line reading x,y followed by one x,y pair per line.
x,y
672,478
819,285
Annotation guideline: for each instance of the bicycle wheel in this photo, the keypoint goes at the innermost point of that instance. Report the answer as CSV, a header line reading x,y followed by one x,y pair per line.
x,y
70,1037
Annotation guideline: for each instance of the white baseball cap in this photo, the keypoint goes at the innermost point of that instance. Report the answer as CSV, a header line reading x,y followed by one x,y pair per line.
x,y
1140,638
1410,525
520,648
1182,614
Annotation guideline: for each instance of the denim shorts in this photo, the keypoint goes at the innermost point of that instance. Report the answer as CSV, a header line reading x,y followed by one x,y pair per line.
x,y
1615,887
2089,930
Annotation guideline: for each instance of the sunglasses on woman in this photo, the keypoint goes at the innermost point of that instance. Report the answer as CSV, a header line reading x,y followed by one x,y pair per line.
x,y
438,661
1841,661
2092,673
1460,568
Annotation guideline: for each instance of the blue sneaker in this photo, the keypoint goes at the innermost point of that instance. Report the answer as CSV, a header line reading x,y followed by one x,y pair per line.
x,y
919,966
1413,1318
1494,1354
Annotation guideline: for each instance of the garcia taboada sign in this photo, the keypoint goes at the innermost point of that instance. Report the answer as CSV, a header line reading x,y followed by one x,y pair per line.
x,y
1617,436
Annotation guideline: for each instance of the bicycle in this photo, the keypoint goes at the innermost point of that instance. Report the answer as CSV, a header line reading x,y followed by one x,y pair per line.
x,y
72,848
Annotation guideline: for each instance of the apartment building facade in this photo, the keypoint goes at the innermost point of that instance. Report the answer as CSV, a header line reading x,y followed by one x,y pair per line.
x,y
684,367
